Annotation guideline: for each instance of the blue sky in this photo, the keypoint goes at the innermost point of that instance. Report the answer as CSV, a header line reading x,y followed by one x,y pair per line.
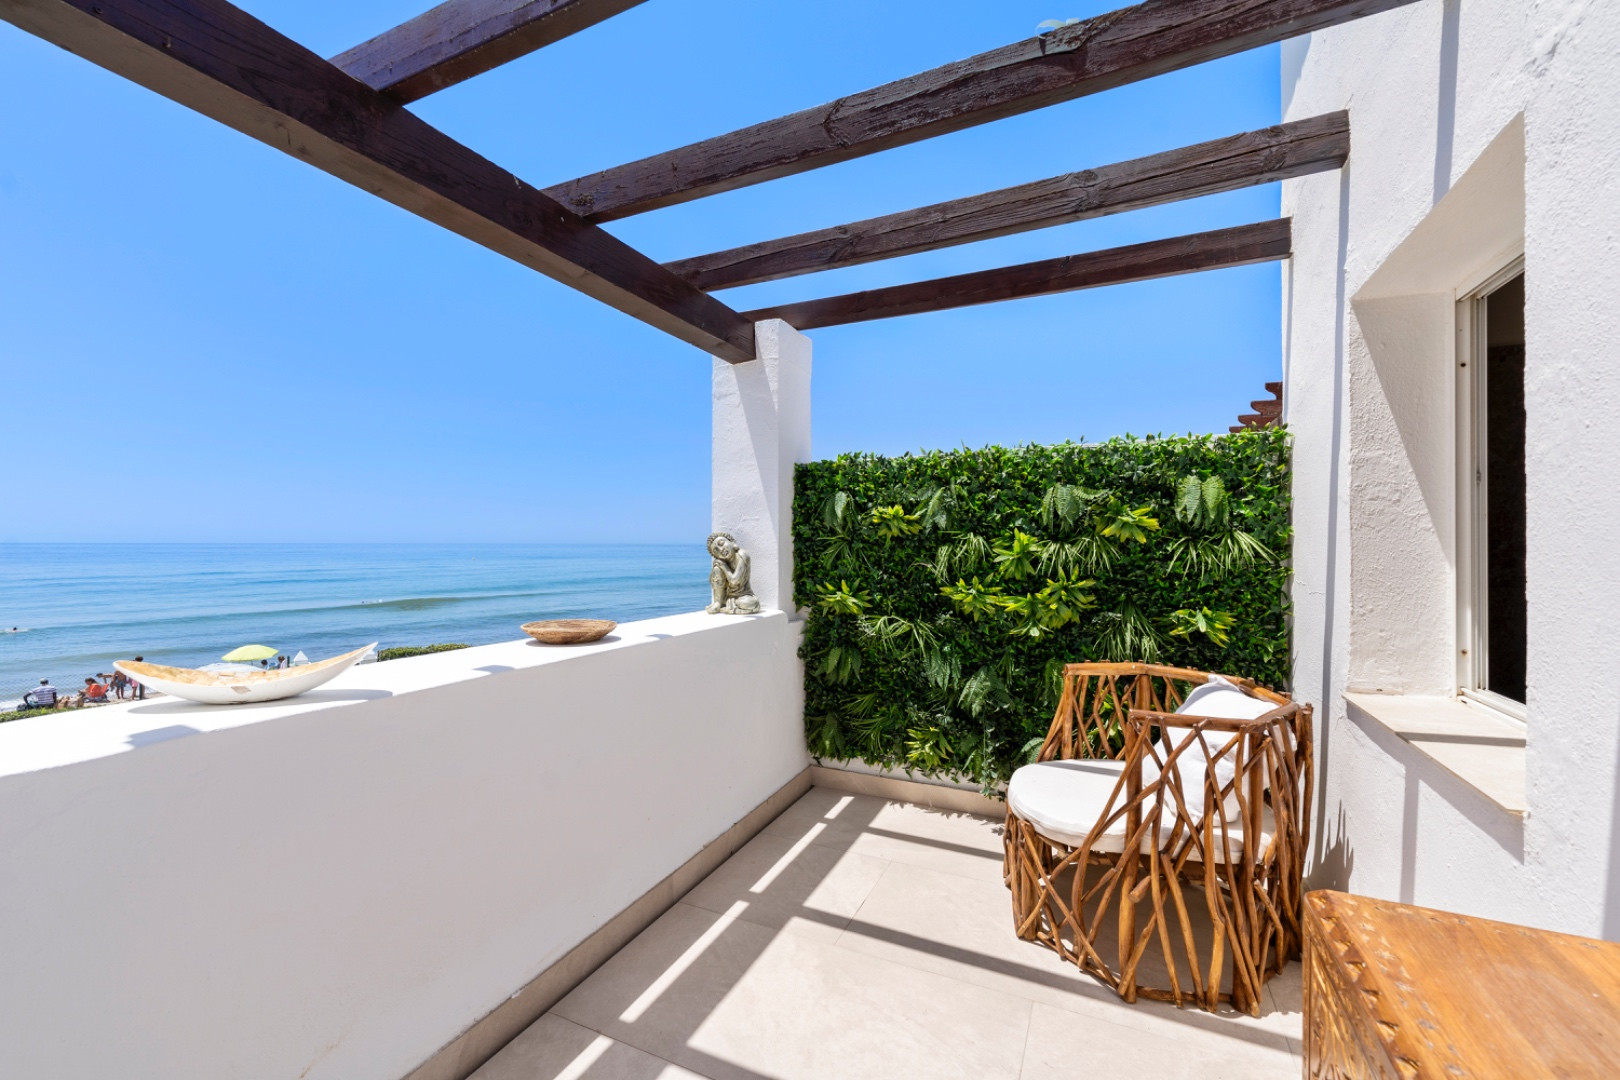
x,y
203,339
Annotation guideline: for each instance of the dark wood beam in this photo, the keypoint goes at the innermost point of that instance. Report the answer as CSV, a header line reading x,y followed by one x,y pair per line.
x,y
1257,157
1096,54
1267,241
222,62
462,38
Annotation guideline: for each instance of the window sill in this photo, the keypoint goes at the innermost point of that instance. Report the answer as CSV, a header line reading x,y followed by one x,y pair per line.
x,y
1484,750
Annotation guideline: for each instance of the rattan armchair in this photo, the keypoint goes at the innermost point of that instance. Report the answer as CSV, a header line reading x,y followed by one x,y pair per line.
x,y
1215,811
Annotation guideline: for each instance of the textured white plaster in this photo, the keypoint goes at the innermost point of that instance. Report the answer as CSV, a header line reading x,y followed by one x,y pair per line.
x,y
1572,403
1431,195
1402,495
761,430
334,889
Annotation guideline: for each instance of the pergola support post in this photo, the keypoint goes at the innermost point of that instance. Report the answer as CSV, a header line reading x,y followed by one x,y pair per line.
x,y
761,431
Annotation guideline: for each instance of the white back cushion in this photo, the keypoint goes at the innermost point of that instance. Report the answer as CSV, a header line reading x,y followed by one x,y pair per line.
x,y
1223,700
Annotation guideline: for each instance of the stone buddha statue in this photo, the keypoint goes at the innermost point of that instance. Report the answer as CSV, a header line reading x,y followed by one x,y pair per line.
x,y
729,578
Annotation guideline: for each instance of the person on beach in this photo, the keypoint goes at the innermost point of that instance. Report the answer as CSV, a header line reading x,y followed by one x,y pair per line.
x,y
43,696
120,683
136,690
93,693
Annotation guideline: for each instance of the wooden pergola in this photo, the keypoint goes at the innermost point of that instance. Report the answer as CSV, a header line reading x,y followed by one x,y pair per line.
x,y
349,116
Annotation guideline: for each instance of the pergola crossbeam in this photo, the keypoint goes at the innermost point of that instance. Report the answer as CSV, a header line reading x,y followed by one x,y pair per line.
x,y
1257,157
220,61
1096,54
462,38
1266,241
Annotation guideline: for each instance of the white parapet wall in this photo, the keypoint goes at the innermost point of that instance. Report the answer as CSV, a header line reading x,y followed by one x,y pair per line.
x,y
337,886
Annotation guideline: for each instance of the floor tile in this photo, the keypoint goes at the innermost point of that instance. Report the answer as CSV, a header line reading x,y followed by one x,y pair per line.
x,y
857,938
943,840
737,1001
1286,989
1274,1027
790,882
556,1049
839,815
1064,1045
962,928
951,842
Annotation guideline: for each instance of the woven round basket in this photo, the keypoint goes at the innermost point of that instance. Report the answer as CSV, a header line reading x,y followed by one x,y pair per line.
x,y
569,631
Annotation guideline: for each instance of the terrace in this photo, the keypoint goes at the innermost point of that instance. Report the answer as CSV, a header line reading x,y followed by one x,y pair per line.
x,y
623,860
379,870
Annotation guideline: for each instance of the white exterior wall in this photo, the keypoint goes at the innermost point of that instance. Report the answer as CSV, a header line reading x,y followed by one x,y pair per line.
x,y
761,430
335,887
1474,123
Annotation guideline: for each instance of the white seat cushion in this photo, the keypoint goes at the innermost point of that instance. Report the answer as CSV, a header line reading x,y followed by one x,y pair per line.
x,y
1064,800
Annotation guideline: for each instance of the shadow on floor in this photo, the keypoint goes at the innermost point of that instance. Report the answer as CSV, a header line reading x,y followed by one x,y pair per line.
x,y
856,937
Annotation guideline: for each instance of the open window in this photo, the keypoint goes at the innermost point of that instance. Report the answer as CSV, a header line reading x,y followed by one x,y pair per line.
x,y
1492,584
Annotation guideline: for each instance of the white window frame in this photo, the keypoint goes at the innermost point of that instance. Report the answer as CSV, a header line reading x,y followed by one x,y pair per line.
x,y
1472,588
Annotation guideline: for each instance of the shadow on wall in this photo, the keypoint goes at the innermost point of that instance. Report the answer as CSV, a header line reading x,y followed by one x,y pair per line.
x,y
1611,902
1445,136
166,706
1330,574
162,734
1504,828
1335,858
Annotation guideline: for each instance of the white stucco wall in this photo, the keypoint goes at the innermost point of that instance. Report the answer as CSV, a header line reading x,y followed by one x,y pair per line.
x,y
1475,123
337,886
761,422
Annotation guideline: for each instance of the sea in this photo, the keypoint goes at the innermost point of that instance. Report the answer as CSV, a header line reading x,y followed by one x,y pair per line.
x,y
70,610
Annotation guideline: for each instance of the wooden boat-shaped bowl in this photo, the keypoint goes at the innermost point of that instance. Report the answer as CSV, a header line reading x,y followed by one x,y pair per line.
x,y
240,688
569,631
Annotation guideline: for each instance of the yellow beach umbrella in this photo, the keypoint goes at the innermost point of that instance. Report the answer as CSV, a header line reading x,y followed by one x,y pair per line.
x,y
249,653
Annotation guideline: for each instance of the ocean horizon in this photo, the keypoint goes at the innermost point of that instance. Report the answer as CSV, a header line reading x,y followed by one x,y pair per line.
x,y
78,607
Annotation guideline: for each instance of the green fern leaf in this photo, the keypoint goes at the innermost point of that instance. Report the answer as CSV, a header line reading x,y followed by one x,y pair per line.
x,y
1189,500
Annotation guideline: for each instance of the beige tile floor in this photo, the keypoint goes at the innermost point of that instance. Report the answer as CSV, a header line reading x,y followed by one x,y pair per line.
x,y
856,938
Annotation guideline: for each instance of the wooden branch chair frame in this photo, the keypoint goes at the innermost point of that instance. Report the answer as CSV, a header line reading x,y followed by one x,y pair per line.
x,y
1184,841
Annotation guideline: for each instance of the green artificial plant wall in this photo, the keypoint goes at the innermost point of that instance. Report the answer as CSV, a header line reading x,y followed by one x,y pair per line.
x,y
947,590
